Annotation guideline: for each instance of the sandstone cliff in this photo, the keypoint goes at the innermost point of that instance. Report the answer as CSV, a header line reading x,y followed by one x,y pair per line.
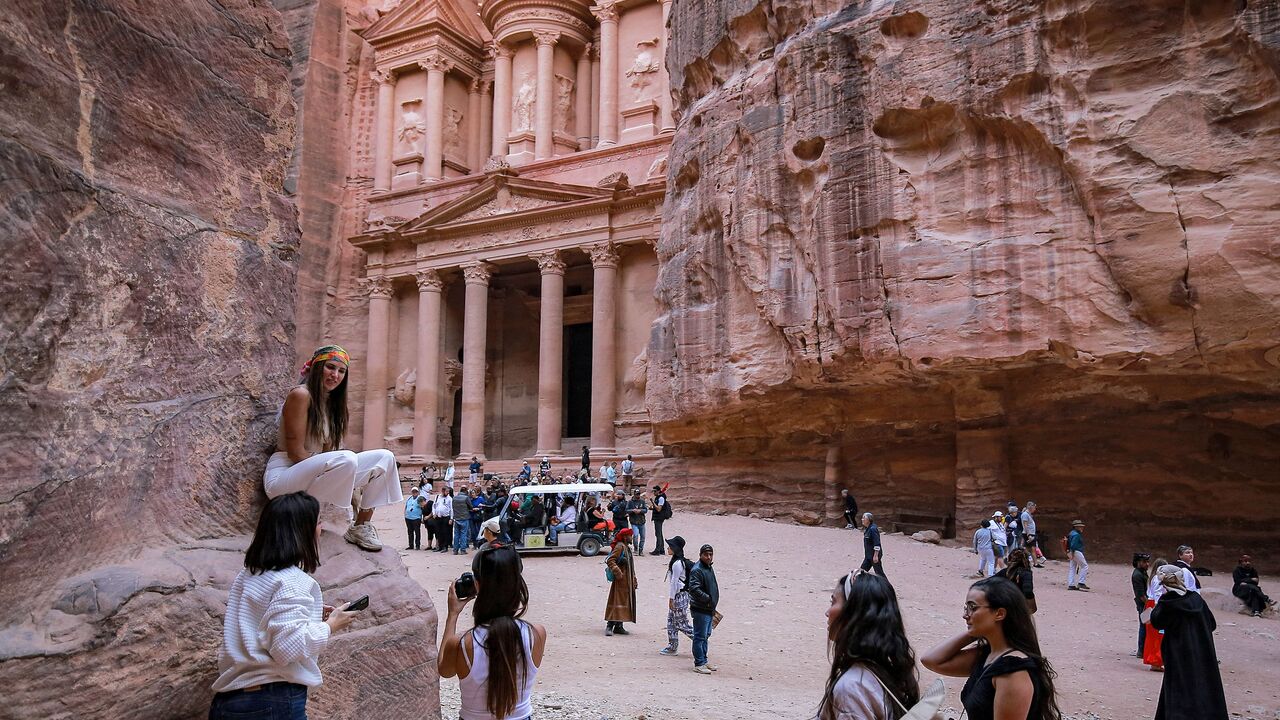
x,y
146,338
983,250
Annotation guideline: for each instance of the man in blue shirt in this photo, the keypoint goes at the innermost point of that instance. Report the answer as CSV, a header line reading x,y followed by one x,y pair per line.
x,y
1078,570
413,519
871,550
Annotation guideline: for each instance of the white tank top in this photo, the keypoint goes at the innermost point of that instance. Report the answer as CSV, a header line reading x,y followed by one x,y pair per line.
x,y
474,696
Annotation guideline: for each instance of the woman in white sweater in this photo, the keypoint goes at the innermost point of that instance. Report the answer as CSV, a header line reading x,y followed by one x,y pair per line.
x,y
276,622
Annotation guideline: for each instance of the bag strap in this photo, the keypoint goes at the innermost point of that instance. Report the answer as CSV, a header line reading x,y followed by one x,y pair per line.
x,y
888,692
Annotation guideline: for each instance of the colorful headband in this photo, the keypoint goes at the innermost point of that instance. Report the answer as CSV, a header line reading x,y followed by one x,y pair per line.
x,y
325,354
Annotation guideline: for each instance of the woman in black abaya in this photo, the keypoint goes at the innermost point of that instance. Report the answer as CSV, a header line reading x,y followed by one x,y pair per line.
x,y
1192,688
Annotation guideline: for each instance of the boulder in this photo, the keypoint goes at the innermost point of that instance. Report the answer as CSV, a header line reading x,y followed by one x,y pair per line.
x,y
806,517
927,536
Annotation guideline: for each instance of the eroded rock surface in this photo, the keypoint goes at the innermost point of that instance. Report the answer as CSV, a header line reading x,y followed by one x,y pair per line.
x,y
985,250
146,339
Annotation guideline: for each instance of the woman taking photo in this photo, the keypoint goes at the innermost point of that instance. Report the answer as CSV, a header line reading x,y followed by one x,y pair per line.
x,y
1008,677
622,586
497,660
873,670
309,457
276,623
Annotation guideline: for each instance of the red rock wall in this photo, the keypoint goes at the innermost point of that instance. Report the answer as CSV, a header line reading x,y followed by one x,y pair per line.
x,y
151,256
988,249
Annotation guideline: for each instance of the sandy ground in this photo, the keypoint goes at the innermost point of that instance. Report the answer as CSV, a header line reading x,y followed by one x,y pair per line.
x,y
775,583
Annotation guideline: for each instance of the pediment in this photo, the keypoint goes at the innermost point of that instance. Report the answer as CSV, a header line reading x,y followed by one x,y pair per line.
x,y
416,15
503,195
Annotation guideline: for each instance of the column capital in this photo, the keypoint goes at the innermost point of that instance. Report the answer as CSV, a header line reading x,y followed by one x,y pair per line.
x,y
501,50
435,61
429,281
549,262
383,77
605,12
486,87
603,254
377,288
477,273
586,52
475,87
546,37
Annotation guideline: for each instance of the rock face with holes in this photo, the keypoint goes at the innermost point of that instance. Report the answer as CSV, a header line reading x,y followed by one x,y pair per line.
x,y
951,253
146,333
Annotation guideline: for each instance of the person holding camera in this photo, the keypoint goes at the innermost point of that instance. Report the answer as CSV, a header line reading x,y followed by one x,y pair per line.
x,y
276,623
496,662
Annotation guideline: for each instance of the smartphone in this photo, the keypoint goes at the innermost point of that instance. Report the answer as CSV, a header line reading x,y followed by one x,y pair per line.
x,y
358,605
465,586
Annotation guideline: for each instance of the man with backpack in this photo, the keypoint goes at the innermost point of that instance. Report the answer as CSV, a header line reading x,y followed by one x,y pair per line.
x,y
661,512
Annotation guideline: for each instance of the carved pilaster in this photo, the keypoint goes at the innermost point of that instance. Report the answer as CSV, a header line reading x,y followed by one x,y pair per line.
x,y
605,12
378,287
429,281
546,37
477,273
603,255
500,50
549,262
383,77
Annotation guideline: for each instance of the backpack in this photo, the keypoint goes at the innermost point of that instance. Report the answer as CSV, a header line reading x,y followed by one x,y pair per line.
x,y
666,509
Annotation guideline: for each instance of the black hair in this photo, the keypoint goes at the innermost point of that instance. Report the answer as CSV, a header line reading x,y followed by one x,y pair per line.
x,y
869,631
336,412
286,535
503,597
1020,634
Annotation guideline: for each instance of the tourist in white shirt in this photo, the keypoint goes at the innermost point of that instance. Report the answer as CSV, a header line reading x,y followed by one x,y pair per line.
x,y
567,516
276,623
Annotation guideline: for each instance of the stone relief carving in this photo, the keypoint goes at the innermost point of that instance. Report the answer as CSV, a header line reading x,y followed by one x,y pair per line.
x,y
513,204
406,383
412,127
564,103
643,69
634,384
659,167
453,132
452,376
525,98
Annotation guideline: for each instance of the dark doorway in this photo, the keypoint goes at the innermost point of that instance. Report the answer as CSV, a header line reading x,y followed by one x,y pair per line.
x,y
577,380
455,430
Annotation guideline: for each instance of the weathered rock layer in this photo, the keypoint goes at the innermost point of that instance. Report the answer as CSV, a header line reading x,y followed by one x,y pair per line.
x,y
982,250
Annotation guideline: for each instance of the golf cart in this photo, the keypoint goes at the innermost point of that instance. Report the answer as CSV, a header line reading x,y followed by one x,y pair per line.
x,y
533,540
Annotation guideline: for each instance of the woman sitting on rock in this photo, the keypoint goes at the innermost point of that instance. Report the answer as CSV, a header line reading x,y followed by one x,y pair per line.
x,y
496,661
276,623
308,457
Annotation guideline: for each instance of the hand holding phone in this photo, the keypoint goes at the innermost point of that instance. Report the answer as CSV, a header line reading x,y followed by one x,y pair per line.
x,y
358,605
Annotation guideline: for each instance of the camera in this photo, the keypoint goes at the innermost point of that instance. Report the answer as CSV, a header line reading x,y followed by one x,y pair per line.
x,y
465,586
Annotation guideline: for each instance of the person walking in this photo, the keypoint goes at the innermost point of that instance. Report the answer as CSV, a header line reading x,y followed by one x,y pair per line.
x,y
1244,585
872,552
1078,570
1013,526
1139,579
873,669
677,596
661,513
998,543
1017,570
999,653
276,624
1030,540
586,460
637,514
629,474
1192,687
413,519
621,606
984,545
850,509
461,508
704,597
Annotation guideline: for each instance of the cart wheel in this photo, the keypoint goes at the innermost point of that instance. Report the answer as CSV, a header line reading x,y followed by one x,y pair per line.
x,y
589,547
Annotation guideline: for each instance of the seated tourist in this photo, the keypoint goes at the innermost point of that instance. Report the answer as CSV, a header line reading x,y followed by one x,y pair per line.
x,y
565,521
1245,586
309,457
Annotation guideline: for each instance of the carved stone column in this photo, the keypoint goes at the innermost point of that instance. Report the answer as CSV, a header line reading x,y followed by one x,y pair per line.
x,y
604,318
582,108
375,393
543,143
475,159
665,119
426,396
550,353
436,66
607,14
501,97
474,336
595,93
486,123
384,129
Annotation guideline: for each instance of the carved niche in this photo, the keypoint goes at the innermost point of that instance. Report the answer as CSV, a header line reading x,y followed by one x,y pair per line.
x,y
564,103
523,103
453,133
412,128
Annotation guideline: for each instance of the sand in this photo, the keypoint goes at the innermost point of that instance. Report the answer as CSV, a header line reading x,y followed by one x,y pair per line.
x,y
775,582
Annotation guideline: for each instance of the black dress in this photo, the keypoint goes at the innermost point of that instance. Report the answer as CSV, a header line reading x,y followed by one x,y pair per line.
x,y
979,693
1192,687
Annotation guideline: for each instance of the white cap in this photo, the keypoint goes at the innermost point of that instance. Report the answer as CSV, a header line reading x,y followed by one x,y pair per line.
x,y
997,514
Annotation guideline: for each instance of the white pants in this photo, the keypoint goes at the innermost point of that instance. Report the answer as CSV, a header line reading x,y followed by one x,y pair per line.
x,y
1078,570
336,477
986,562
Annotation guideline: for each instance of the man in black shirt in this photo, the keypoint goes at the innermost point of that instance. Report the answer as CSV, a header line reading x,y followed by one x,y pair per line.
x,y
871,550
619,509
1141,561
1244,585
1186,556
850,509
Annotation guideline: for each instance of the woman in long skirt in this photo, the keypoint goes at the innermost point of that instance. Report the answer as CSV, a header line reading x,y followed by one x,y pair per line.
x,y
622,590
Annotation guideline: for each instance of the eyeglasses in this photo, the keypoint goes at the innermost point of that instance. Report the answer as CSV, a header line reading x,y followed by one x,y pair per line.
x,y
972,607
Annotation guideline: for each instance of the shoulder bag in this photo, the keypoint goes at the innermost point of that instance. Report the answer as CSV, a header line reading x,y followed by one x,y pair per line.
x,y
926,708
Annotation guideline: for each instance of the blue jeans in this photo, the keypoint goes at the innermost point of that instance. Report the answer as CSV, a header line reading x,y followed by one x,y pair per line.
x,y
701,631
460,529
274,701
638,529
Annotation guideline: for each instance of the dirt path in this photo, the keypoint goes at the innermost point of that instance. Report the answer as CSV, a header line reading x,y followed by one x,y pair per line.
x,y
775,582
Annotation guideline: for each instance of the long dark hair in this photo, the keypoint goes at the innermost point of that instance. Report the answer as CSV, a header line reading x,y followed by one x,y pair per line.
x,y
337,410
1020,633
286,535
503,596
869,630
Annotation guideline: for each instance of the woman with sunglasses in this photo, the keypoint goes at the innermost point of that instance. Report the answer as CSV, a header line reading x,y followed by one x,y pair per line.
x,y
873,669
999,653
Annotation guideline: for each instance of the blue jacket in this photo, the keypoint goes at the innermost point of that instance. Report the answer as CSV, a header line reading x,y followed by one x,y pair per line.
x,y
1075,541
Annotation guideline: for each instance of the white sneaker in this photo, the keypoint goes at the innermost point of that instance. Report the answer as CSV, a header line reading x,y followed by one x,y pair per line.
x,y
701,669
363,536
711,667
